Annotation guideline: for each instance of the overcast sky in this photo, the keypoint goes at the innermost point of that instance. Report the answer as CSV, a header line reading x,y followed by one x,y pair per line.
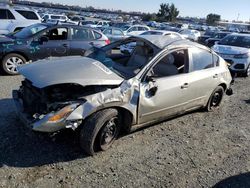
x,y
228,9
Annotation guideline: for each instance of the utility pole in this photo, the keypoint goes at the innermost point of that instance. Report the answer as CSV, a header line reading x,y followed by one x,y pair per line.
x,y
238,16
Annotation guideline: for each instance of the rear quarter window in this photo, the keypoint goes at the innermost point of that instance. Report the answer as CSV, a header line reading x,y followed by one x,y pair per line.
x,y
28,14
216,60
5,14
97,35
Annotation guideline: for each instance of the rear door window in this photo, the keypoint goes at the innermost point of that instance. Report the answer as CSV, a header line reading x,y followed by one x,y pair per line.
x,y
28,14
107,32
117,32
81,34
202,59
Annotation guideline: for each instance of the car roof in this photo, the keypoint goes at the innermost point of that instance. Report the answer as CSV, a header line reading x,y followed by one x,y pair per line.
x,y
164,41
241,34
159,40
65,25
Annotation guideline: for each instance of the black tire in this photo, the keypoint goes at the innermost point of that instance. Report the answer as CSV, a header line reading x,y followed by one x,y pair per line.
x,y
96,129
215,99
10,63
247,73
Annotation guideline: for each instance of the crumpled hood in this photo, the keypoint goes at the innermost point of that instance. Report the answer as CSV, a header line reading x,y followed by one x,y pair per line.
x,y
79,70
232,50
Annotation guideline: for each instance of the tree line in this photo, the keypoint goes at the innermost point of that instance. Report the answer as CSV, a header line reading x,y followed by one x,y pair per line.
x,y
169,13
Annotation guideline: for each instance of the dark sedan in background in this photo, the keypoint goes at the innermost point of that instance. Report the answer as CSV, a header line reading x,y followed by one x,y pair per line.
x,y
39,41
217,37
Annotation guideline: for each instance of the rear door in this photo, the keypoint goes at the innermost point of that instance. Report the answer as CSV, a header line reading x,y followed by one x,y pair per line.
x,y
204,75
117,34
81,39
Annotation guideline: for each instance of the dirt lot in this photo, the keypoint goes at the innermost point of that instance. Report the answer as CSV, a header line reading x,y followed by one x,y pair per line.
x,y
199,149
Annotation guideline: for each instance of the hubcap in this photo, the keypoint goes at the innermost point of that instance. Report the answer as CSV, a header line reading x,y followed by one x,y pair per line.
x,y
12,63
216,99
108,133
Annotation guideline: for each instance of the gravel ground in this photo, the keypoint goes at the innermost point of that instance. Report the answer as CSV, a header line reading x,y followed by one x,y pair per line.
x,y
198,149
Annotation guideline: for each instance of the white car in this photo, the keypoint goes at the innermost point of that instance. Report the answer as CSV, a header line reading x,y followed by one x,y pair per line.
x,y
13,19
235,49
54,17
99,24
128,48
134,30
190,34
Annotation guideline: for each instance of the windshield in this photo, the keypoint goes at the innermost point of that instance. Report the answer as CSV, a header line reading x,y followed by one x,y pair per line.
x,y
124,28
29,31
234,40
100,55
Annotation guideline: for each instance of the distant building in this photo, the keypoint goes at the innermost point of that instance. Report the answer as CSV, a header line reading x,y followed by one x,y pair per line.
x,y
235,27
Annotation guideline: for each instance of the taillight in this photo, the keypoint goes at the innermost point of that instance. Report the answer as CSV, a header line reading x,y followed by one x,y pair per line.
x,y
107,42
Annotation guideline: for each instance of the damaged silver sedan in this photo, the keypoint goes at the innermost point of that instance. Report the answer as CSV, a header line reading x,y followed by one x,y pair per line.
x,y
108,92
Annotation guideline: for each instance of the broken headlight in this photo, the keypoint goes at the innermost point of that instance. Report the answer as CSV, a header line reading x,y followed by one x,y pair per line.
x,y
63,113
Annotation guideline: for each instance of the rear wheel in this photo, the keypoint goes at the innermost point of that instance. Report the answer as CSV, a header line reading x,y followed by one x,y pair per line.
x,y
215,99
10,63
100,131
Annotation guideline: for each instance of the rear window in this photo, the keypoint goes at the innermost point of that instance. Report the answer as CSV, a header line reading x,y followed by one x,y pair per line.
x,y
5,14
28,14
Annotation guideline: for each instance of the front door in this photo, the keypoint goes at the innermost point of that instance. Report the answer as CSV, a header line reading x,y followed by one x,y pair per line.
x,y
58,43
165,90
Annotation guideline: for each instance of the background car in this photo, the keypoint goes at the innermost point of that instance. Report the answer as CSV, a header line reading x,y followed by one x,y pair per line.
x,y
107,92
114,34
44,40
128,48
235,49
217,37
134,30
54,17
208,34
14,19
190,34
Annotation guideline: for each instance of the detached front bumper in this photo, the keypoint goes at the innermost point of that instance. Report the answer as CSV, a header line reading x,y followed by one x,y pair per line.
x,y
41,125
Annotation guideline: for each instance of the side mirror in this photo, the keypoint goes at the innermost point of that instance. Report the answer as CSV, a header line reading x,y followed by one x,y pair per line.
x,y
43,39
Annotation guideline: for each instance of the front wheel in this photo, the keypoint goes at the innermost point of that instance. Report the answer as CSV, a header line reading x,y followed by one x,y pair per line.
x,y
247,73
10,63
215,99
100,131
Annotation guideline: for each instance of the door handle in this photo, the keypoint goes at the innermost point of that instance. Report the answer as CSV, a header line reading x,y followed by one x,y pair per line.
x,y
215,76
65,45
184,86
